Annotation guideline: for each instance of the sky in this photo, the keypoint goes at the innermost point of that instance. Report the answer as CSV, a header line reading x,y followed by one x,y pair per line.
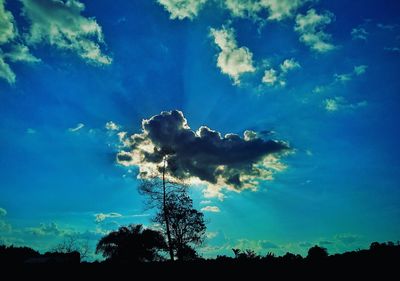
x,y
283,115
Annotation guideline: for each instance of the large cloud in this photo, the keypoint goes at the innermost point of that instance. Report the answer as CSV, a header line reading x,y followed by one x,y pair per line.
x,y
232,60
60,24
277,9
311,29
181,9
202,156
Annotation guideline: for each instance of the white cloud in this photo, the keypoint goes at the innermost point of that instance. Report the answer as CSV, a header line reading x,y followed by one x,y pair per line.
x,y
59,23
343,77
360,69
277,9
359,33
21,52
111,126
181,9
311,29
270,77
212,209
7,25
46,229
392,49
6,71
232,60
340,103
102,216
77,127
289,64
205,202
3,212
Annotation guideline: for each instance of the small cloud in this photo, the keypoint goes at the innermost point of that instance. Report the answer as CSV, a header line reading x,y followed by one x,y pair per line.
x,y
233,61
337,103
305,244
77,127
212,209
309,152
270,77
311,29
343,77
21,52
102,216
210,235
111,126
359,33
45,229
3,212
289,64
325,243
181,9
30,131
360,69
347,238
386,26
319,89
203,202
392,49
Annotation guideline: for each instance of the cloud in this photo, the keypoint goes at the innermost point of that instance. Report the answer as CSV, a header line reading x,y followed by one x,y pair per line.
x,y
8,30
77,127
3,212
277,9
202,156
59,23
359,33
45,229
6,71
268,245
212,209
311,29
345,77
325,243
386,26
347,238
339,103
289,64
111,126
392,49
272,77
360,69
102,216
181,9
21,52
205,202
232,60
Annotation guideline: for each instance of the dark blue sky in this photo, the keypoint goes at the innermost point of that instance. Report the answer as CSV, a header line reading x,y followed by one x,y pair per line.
x,y
319,75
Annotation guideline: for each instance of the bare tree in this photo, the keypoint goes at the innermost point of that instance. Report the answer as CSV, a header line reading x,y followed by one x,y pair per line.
x,y
71,244
158,193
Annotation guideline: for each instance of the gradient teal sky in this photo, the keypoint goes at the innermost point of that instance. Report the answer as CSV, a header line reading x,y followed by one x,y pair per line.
x,y
321,75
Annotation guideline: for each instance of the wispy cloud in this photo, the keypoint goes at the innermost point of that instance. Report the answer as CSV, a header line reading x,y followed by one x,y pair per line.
x,y
212,209
78,127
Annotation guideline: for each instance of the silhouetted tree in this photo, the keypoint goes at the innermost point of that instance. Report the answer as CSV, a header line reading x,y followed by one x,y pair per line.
x,y
187,226
158,194
73,244
317,253
132,243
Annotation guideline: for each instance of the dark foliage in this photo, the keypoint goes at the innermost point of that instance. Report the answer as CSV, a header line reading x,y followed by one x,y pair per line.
x,y
132,244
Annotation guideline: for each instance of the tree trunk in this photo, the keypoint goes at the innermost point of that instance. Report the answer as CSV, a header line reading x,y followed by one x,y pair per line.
x,y
166,218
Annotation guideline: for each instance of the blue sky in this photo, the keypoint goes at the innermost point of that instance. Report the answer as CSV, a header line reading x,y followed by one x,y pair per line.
x,y
319,75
